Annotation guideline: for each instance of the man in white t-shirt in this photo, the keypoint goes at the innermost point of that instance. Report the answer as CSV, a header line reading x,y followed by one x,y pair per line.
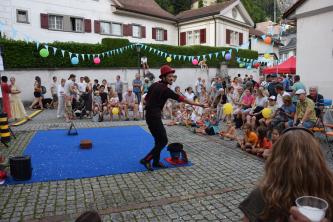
x,y
130,102
68,91
280,94
82,85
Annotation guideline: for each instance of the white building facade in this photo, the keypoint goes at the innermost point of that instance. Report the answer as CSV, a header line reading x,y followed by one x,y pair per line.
x,y
314,43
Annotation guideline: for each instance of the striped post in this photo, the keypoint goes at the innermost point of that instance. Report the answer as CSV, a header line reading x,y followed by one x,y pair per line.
x,y
4,128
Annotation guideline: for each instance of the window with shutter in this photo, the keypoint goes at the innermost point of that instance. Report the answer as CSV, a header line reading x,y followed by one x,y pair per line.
x,y
227,36
165,35
97,26
143,32
182,38
136,31
202,36
44,21
154,33
87,25
116,29
240,38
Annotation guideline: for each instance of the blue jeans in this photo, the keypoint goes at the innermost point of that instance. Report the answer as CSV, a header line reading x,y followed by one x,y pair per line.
x,y
308,124
138,96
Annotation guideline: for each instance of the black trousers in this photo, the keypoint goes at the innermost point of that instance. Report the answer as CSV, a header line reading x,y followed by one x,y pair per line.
x,y
157,130
120,97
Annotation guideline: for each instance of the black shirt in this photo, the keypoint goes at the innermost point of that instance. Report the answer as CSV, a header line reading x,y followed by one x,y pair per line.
x,y
104,97
158,94
271,89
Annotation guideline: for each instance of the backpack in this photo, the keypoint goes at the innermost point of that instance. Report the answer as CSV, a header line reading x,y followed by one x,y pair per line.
x,y
43,90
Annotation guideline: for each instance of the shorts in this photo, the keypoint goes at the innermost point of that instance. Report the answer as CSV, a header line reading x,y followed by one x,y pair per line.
x,y
68,107
55,98
37,94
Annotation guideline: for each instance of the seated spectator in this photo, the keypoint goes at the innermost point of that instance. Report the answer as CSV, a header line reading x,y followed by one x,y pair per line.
x,y
210,126
189,93
280,94
273,107
260,103
305,115
96,85
263,142
275,135
130,103
288,176
97,107
248,101
104,98
284,117
114,103
250,139
230,133
317,98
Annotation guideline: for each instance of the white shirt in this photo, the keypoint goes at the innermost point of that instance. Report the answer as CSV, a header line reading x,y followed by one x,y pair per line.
x,y
189,96
82,86
198,86
279,98
60,90
68,85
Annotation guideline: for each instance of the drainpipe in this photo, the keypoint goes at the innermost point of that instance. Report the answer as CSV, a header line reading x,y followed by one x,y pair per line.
x,y
215,30
178,32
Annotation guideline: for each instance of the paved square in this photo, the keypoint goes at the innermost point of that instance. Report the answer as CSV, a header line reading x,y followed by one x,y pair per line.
x,y
210,190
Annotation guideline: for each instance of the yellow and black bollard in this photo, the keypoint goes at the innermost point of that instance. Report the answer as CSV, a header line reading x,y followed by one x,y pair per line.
x,y
5,131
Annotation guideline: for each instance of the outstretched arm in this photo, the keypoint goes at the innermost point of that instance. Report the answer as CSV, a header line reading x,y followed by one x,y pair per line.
x,y
190,102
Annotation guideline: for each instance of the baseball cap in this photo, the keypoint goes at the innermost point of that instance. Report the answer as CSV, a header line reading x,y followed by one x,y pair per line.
x,y
272,97
300,91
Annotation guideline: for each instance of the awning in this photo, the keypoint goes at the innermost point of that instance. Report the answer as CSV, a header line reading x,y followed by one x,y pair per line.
x,y
287,67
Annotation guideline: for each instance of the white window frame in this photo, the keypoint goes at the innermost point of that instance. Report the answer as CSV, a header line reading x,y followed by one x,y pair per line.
x,y
78,27
121,28
57,18
196,37
189,38
234,38
102,31
26,16
139,31
159,34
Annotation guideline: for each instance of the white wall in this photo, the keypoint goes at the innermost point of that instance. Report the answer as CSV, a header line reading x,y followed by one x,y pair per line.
x,y
196,26
313,5
315,51
89,9
224,25
186,76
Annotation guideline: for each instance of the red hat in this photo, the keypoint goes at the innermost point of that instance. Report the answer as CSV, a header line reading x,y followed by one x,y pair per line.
x,y
3,176
165,70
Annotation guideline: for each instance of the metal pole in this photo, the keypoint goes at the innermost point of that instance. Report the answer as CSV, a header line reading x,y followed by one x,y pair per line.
x,y
274,11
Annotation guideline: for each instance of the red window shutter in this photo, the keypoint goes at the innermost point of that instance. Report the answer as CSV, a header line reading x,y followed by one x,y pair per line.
x,y
182,38
143,32
87,25
240,38
129,30
202,35
125,30
154,33
227,37
165,35
44,21
97,26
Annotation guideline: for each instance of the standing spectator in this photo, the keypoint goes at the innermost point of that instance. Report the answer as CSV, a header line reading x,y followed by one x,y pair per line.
x,y
219,83
146,85
96,85
82,85
119,88
287,176
286,83
105,84
37,93
104,98
5,96
197,87
297,85
88,96
317,98
280,94
189,93
305,111
137,85
130,102
54,94
16,105
69,91
272,85
61,97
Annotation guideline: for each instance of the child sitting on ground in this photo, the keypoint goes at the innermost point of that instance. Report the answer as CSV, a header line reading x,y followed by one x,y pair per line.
x,y
263,142
186,116
275,137
210,126
230,133
250,139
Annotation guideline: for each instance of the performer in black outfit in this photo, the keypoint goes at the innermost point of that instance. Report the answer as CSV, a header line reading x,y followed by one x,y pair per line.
x,y
157,95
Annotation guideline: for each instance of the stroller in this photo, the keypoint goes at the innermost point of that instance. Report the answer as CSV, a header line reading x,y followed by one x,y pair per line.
x,y
79,107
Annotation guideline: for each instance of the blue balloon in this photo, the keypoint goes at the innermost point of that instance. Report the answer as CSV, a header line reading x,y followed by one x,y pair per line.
x,y
75,60
227,56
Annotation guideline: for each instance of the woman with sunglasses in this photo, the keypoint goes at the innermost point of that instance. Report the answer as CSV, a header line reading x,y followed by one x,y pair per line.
x,y
296,168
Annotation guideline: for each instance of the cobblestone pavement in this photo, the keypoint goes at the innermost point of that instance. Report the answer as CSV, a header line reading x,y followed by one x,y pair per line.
x,y
209,190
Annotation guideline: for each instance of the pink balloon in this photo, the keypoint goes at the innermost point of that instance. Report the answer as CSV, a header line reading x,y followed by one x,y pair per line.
x,y
97,60
195,62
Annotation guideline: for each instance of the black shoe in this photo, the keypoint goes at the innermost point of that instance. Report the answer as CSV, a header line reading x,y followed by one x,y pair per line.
x,y
127,119
146,164
159,165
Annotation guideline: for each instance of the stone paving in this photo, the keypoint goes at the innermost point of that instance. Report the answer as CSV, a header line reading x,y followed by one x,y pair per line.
x,y
209,190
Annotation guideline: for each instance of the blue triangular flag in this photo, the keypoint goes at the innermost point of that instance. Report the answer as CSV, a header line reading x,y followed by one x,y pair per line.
x,y
47,47
184,57
150,48
88,56
82,55
217,54
174,56
37,44
198,58
146,47
223,53
263,36
63,53
230,51
210,55
204,56
70,54
154,50
179,57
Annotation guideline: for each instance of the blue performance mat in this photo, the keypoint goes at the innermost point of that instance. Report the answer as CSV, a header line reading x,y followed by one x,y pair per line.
x,y
117,150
